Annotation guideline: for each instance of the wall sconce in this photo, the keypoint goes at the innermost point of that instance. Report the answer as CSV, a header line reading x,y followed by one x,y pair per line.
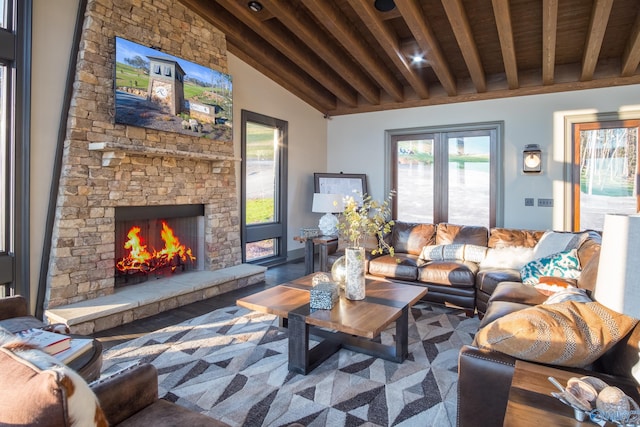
x,y
532,159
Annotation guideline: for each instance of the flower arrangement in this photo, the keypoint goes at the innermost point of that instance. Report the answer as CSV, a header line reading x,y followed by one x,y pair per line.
x,y
372,218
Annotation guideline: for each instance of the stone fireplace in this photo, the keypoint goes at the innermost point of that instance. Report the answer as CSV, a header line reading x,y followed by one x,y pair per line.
x,y
112,171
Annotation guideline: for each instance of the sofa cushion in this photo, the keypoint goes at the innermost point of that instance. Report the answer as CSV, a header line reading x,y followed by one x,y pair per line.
x,y
37,390
514,257
454,251
402,267
553,242
488,280
562,264
568,334
410,238
505,237
470,234
449,273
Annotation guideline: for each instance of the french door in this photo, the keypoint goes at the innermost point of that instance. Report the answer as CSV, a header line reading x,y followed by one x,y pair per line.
x,y
605,171
264,188
446,176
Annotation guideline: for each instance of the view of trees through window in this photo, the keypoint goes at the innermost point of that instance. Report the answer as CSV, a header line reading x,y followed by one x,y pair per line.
x,y
608,159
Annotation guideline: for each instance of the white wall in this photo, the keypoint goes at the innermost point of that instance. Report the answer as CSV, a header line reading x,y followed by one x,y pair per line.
x,y
307,139
53,25
356,142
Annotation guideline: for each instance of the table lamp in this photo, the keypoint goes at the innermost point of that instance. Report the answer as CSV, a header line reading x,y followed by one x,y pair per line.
x,y
328,204
618,281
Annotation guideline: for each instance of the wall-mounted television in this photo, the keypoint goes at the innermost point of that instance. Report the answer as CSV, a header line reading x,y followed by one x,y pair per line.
x,y
161,91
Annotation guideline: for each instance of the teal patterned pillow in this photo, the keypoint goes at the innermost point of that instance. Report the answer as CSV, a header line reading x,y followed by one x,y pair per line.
x,y
563,264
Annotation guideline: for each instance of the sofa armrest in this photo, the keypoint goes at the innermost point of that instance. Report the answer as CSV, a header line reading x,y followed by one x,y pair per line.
x,y
484,380
15,306
127,392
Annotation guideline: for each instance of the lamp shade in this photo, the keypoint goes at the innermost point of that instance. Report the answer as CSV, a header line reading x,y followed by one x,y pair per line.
x,y
618,281
327,203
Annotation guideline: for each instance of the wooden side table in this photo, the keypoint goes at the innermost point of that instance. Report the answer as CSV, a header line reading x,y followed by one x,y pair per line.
x,y
309,249
530,401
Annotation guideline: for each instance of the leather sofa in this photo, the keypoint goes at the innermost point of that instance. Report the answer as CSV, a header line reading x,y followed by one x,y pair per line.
x,y
485,375
458,281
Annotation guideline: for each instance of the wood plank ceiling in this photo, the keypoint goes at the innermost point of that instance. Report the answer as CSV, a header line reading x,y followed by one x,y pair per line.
x,y
346,56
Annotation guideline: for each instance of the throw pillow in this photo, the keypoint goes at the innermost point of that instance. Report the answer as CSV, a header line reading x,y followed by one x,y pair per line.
x,y
39,390
568,294
474,253
508,257
454,251
550,285
563,264
568,334
553,242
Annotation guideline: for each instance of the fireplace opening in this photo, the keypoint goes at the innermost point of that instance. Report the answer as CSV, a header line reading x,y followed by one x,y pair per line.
x,y
157,241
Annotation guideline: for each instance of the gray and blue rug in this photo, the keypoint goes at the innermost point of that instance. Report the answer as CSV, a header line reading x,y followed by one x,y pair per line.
x,y
231,364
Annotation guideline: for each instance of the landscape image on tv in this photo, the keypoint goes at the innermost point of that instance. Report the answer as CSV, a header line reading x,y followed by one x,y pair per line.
x,y
160,91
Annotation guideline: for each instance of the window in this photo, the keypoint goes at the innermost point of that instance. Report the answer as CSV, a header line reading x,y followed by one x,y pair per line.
x,y
446,174
15,27
264,188
605,171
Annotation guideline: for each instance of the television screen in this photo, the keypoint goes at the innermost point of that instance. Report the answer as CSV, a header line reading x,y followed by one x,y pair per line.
x,y
160,91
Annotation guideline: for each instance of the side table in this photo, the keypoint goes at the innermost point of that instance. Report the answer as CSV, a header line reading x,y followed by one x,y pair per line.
x,y
309,249
530,401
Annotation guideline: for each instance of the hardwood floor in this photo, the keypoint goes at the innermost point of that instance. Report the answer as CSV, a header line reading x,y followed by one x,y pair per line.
x,y
274,276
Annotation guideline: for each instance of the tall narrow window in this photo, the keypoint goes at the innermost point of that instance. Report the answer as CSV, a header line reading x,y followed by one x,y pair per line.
x,y
605,175
264,189
447,175
15,28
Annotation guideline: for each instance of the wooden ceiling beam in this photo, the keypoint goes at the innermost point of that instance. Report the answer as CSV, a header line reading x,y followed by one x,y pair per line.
x,y
338,25
462,31
390,44
416,21
597,27
307,31
502,13
631,55
549,35
248,46
296,51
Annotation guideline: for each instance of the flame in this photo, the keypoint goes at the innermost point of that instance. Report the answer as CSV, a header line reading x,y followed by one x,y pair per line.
x,y
140,260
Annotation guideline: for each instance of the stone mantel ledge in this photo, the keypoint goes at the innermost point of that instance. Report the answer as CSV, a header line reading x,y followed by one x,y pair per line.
x,y
114,152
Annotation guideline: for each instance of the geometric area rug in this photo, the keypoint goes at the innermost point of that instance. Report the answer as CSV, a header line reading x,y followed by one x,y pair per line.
x,y
231,364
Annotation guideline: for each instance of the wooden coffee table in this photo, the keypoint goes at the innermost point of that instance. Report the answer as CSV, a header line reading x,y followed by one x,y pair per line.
x,y
349,324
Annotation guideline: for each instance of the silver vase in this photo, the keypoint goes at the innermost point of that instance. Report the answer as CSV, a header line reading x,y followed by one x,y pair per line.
x,y
354,266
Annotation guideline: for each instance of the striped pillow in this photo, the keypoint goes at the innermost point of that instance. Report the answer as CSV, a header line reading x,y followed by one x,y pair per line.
x,y
570,333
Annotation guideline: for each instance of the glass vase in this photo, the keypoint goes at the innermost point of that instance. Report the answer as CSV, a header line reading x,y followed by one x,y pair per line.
x,y
354,266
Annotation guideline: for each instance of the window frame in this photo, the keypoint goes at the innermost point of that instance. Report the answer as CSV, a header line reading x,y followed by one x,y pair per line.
x,y
16,54
572,125
496,196
277,229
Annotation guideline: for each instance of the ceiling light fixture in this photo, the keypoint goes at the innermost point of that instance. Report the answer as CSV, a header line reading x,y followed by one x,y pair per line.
x,y
255,6
416,59
384,5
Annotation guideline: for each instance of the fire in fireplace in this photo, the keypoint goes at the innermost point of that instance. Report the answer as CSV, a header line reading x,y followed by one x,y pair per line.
x,y
140,260
153,241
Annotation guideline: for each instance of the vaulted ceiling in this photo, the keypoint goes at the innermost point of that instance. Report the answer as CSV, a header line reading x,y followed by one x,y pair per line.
x,y
346,56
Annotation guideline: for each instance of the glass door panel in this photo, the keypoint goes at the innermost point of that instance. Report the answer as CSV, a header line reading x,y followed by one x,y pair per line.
x,y
608,159
414,176
469,180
